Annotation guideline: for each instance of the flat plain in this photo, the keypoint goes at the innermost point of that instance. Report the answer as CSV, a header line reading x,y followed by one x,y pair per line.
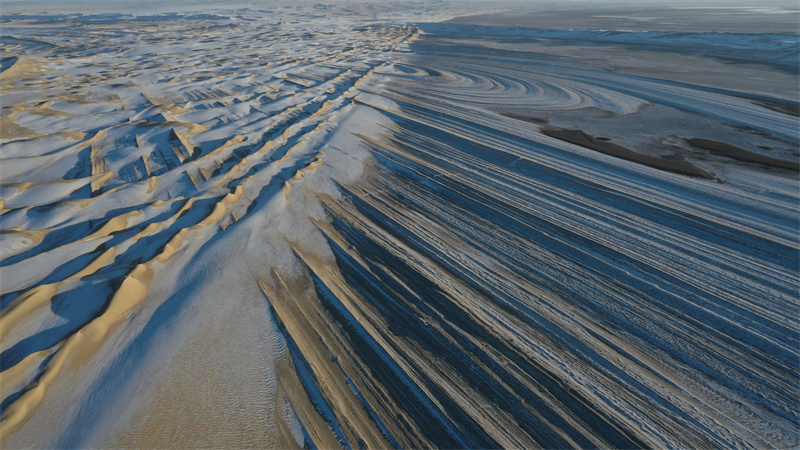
x,y
408,225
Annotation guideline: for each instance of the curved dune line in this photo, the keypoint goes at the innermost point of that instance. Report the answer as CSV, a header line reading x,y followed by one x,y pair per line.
x,y
172,246
229,143
96,264
43,294
307,168
306,138
19,373
36,236
40,295
149,230
68,150
24,304
117,223
487,86
25,185
322,109
221,207
153,183
70,187
244,162
316,161
97,136
357,84
88,340
287,188
80,346
21,69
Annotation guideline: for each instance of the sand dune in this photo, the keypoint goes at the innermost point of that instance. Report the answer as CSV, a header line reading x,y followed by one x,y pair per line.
x,y
335,226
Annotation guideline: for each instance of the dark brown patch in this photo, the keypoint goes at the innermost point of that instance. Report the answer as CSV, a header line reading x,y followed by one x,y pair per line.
x,y
527,118
791,109
578,137
731,151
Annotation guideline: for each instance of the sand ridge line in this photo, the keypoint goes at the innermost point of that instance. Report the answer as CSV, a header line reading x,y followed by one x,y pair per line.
x,y
89,338
79,346
36,297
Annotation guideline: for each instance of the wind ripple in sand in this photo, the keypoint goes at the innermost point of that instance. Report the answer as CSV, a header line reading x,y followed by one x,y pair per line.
x,y
341,244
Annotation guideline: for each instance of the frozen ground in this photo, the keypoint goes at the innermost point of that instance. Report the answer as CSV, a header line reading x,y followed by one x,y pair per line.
x,y
726,16
356,225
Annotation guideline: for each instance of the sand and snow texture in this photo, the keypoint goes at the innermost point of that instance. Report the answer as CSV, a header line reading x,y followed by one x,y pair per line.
x,y
310,227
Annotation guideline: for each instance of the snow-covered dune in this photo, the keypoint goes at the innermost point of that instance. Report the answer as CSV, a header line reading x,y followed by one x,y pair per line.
x,y
285,227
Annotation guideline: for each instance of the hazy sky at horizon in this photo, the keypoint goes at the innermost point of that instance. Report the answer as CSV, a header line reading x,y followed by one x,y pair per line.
x,y
454,6
752,3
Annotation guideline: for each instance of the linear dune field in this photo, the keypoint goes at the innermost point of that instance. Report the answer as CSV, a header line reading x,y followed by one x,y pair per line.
x,y
296,224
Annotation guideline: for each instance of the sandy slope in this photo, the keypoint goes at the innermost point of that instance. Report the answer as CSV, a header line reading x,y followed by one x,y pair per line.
x,y
127,171
303,227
